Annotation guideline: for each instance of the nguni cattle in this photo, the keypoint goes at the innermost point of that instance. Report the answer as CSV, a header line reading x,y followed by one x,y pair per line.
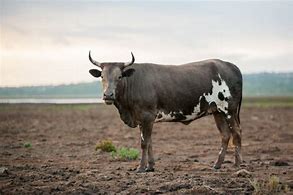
x,y
146,93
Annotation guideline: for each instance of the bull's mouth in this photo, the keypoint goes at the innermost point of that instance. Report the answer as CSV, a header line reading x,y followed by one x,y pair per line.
x,y
108,101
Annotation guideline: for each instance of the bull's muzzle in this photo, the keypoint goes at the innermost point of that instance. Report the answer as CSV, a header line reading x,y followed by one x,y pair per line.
x,y
109,98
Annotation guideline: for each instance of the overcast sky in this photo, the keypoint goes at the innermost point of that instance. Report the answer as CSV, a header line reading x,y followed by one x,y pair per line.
x,y
47,42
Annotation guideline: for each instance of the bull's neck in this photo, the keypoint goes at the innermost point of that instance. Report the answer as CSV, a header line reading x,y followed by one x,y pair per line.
x,y
121,92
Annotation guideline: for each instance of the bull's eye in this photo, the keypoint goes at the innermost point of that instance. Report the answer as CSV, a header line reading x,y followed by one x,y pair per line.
x,y
102,77
120,77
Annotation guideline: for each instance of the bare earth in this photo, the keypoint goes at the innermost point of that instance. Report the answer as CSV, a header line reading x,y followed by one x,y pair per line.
x,y
62,156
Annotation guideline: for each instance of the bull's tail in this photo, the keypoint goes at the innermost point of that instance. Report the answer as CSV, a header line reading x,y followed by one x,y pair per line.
x,y
238,110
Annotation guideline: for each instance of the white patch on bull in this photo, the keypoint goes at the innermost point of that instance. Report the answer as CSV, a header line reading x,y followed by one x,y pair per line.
x,y
219,87
141,135
162,117
221,150
222,105
194,114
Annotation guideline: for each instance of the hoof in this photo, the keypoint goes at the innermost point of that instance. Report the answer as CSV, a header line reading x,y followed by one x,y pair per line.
x,y
149,169
140,170
217,167
144,170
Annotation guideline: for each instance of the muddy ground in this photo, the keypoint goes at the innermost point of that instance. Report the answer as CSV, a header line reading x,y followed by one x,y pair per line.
x,y
60,156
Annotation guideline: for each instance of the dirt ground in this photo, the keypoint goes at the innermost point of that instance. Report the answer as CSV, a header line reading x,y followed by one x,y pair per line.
x,y
60,156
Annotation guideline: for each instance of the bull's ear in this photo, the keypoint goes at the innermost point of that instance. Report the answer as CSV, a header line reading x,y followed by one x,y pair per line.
x,y
128,72
95,72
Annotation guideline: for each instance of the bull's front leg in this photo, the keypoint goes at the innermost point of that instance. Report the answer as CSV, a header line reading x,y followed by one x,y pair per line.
x,y
147,153
151,159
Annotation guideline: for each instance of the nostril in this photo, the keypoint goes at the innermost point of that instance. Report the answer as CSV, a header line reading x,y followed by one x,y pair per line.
x,y
108,95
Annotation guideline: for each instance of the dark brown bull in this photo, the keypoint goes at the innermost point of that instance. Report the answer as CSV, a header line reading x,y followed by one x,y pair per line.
x,y
148,93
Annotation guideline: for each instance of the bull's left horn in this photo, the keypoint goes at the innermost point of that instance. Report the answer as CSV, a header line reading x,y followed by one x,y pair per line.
x,y
93,61
130,63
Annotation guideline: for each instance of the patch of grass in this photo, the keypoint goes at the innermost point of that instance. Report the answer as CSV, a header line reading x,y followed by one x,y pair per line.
x,y
125,154
267,102
106,146
27,145
122,153
78,107
270,186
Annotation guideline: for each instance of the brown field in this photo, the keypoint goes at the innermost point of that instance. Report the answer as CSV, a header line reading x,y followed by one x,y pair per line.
x,y
60,155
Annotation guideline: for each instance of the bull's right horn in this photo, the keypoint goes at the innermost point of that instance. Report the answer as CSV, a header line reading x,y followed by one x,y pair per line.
x,y
130,63
93,61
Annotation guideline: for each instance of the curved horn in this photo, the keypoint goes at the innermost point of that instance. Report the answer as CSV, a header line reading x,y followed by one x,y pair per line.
x,y
130,63
93,61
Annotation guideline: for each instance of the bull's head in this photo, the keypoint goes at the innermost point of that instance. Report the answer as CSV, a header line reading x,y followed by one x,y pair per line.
x,y
111,73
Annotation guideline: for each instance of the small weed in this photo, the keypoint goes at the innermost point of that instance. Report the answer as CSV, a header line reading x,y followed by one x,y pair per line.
x,y
122,153
27,145
270,186
106,146
273,184
256,185
125,154
286,188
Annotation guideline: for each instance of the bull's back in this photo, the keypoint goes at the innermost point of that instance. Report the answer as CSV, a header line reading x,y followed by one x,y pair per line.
x,y
177,82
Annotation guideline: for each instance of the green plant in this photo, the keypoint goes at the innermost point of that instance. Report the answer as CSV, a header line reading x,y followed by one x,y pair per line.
x,y
27,145
106,146
125,154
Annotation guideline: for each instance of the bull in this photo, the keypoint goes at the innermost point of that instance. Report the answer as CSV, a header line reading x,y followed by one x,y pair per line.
x,y
146,93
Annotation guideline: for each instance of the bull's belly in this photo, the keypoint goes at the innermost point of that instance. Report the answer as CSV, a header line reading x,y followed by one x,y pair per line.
x,y
175,116
216,101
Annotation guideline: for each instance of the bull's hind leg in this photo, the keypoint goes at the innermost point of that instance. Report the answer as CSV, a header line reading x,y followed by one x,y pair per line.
x,y
223,127
236,133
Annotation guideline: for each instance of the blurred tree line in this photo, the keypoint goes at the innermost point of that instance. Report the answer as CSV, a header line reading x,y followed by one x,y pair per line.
x,y
261,84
